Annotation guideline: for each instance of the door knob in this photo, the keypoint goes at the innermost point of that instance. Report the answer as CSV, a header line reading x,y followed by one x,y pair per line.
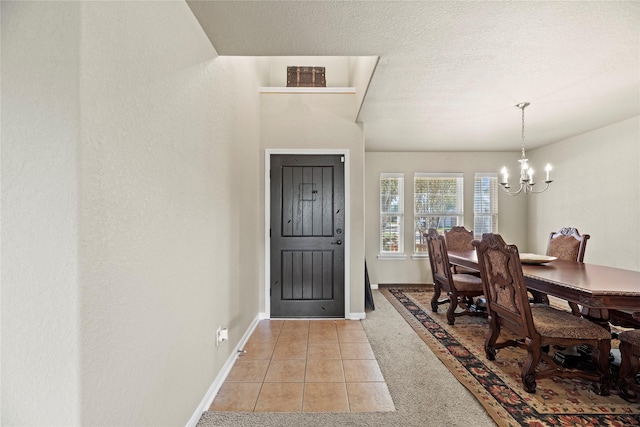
x,y
337,242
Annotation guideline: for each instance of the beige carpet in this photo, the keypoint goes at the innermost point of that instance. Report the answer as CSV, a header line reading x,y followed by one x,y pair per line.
x,y
423,390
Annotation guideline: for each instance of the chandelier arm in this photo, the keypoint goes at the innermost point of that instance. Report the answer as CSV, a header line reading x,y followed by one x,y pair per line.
x,y
513,193
532,191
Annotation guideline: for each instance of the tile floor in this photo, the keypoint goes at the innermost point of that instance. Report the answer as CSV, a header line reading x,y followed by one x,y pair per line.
x,y
305,366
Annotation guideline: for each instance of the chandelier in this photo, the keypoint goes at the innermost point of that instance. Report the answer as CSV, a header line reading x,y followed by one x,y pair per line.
x,y
526,172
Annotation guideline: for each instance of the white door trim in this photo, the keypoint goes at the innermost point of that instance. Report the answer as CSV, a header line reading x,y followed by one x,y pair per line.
x,y
267,223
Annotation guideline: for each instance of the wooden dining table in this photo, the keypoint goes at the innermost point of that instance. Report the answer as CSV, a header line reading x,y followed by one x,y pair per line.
x,y
590,285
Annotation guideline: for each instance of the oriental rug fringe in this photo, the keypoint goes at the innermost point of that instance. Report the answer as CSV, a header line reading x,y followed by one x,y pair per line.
x,y
496,384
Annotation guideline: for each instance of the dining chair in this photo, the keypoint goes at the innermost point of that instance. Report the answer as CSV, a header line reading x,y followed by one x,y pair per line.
x,y
536,326
460,288
569,245
629,364
459,238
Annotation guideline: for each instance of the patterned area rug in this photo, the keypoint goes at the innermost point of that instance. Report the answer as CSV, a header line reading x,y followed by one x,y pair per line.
x,y
496,384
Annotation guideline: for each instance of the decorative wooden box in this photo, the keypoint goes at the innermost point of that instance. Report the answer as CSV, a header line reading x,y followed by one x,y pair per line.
x,y
306,77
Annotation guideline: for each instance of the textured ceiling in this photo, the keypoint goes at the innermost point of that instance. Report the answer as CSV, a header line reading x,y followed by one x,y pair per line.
x,y
450,73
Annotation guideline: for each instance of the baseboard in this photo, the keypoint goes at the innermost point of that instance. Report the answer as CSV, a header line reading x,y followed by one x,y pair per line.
x,y
207,400
357,316
374,286
404,285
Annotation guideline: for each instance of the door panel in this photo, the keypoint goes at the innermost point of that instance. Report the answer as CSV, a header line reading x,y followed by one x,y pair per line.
x,y
307,236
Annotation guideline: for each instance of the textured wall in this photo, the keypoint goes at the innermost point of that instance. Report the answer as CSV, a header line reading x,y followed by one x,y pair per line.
x,y
40,119
168,190
596,189
129,212
316,122
511,216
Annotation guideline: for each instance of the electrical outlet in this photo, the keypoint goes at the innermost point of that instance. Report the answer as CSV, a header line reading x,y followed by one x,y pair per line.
x,y
222,334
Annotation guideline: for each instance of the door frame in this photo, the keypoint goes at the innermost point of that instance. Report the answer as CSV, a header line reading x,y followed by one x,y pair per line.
x,y
267,222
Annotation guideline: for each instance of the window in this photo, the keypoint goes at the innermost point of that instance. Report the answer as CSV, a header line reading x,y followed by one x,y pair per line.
x,y
485,204
437,204
391,212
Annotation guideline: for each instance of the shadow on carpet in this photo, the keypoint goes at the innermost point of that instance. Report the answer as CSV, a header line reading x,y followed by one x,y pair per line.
x,y
496,384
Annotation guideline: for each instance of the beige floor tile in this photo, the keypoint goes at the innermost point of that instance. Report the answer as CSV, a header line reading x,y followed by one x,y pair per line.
x,y
280,397
325,397
286,370
289,325
369,397
270,324
299,334
348,324
308,366
352,335
290,350
264,336
324,371
356,370
258,350
323,335
356,350
322,324
238,397
268,327
323,350
247,370
259,337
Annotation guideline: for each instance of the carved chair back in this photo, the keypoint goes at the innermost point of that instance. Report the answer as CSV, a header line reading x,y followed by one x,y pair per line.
x,y
503,283
439,260
459,239
567,244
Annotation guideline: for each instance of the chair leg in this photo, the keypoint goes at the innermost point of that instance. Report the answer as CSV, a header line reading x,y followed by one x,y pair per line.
x,y
600,358
453,304
436,295
575,310
492,337
629,368
528,374
539,298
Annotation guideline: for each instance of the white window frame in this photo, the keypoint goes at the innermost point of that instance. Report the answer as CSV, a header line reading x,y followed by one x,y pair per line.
x,y
482,211
398,251
420,211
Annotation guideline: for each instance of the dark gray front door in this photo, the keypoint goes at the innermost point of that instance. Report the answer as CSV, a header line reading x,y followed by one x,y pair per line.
x,y
307,236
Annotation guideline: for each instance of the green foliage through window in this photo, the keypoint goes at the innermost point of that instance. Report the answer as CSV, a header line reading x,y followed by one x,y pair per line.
x,y
391,212
437,204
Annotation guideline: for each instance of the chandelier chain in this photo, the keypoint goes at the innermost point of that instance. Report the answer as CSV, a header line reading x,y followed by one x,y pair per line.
x,y
523,107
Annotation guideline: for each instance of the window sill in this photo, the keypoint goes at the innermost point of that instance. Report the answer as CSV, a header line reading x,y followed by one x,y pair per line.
x,y
420,256
392,257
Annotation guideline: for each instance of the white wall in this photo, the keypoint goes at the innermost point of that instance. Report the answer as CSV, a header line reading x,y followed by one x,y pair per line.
x,y
323,121
40,149
361,70
130,179
511,219
596,189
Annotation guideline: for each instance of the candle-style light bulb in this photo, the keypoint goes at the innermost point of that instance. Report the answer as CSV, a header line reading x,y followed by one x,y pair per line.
x,y
530,172
505,175
548,169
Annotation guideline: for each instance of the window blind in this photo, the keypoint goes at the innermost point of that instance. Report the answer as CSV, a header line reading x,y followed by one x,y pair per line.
x,y
485,204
